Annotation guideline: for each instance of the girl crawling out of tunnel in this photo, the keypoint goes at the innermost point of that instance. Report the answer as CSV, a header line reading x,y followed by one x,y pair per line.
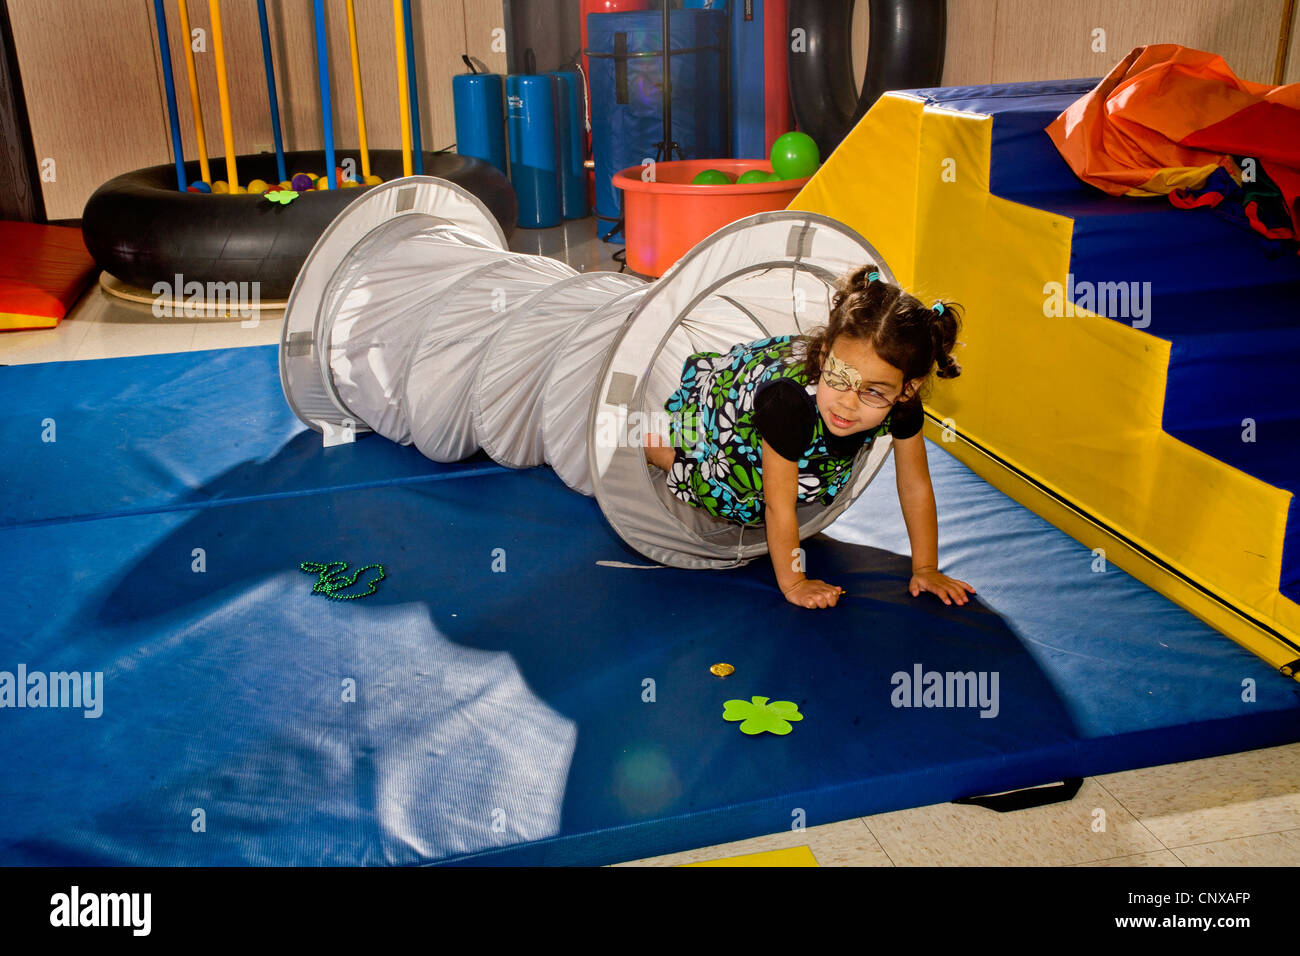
x,y
770,424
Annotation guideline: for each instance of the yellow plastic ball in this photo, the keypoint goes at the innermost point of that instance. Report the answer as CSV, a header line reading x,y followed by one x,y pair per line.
x,y
373,180
286,185
257,186
351,184
221,186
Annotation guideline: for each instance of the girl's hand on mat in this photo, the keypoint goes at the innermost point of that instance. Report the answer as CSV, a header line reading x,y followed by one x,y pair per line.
x,y
809,593
950,589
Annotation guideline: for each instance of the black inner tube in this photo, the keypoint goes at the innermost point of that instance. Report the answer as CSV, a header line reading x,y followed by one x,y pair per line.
x,y
142,230
905,51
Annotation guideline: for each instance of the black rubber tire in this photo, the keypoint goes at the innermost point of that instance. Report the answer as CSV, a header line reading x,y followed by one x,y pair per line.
x,y
905,52
142,230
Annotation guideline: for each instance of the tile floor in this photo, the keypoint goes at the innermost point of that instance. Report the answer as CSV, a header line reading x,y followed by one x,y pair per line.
x,y
1238,810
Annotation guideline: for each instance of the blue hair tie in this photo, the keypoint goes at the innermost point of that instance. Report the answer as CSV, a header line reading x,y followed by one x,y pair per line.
x,y
873,277
938,308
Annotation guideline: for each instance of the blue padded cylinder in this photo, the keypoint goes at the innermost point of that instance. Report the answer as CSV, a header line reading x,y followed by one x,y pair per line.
x,y
479,103
534,149
573,176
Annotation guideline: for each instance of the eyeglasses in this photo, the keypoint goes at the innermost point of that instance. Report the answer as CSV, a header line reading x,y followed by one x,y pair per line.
x,y
836,375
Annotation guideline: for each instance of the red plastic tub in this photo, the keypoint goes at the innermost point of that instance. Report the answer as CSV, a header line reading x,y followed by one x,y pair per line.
x,y
664,219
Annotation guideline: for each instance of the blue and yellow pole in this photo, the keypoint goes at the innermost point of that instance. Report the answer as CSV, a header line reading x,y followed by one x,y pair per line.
x,y
403,90
327,109
270,90
173,115
413,81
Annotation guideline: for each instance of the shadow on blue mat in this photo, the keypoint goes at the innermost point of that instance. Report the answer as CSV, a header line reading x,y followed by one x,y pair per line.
x,y
551,699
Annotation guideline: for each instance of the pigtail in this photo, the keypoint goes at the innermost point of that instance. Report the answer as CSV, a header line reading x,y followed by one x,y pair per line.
x,y
864,291
945,322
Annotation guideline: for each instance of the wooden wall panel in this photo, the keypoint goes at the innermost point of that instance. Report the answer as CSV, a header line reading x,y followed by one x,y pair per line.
x,y
1243,32
482,17
1003,41
968,61
92,94
1291,74
94,86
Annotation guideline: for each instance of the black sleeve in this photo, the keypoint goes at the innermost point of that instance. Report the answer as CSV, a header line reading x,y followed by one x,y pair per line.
x,y
907,420
783,418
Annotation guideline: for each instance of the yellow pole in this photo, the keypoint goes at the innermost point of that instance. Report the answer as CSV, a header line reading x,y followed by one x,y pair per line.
x,y
205,173
227,130
356,85
403,93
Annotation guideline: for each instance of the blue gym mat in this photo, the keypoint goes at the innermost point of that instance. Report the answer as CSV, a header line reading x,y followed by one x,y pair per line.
x,y
506,697
153,432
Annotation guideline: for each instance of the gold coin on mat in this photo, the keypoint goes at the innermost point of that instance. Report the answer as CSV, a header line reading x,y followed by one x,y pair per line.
x,y
722,670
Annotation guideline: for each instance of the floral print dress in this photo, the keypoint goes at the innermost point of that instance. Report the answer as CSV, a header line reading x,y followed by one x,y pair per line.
x,y
718,465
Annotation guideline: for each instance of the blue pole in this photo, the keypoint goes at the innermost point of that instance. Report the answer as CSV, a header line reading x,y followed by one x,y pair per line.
x,y
327,108
414,86
165,49
270,90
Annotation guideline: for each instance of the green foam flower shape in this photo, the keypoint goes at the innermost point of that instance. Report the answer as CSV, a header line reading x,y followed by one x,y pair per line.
x,y
759,716
284,196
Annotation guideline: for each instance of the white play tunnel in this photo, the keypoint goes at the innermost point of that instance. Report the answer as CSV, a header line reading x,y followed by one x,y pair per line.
x,y
412,319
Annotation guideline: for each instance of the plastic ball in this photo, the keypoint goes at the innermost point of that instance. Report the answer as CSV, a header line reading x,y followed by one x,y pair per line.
x,y
258,186
301,182
795,155
752,176
285,186
351,184
775,178
373,180
221,186
199,187
711,177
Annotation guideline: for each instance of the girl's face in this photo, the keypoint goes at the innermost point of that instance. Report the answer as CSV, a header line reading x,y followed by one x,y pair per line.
x,y
855,361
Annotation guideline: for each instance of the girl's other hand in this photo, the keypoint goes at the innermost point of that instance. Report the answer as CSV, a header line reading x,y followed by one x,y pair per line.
x,y
810,593
950,589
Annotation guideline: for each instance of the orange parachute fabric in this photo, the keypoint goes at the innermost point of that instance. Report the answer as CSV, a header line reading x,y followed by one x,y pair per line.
x,y
1167,117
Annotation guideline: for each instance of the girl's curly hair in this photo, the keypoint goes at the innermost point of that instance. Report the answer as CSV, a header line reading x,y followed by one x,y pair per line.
x,y
901,330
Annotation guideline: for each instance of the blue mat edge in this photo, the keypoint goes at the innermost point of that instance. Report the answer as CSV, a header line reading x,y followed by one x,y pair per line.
x,y
1087,758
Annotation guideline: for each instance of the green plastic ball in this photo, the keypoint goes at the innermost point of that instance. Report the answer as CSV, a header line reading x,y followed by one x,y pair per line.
x,y
753,176
711,177
795,155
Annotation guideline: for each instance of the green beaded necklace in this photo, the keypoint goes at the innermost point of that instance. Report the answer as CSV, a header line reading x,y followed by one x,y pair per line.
x,y
332,579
